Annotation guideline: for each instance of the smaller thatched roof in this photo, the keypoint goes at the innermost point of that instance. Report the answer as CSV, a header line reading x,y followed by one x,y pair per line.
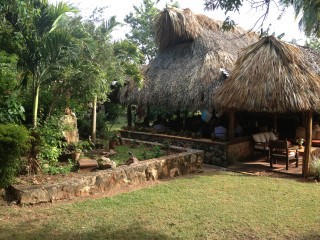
x,y
131,93
272,76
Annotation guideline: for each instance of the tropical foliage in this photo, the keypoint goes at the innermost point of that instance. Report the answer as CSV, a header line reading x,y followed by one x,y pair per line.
x,y
306,11
14,142
52,58
142,31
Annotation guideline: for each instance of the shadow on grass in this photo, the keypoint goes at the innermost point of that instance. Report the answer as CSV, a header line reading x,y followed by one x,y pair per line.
x,y
310,235
97,232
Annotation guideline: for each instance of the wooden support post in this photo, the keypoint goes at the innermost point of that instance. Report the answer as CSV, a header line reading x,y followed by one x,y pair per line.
x,y
231,124
307,149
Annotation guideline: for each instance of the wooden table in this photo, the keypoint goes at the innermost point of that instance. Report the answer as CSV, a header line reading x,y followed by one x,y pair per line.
x,y
301,150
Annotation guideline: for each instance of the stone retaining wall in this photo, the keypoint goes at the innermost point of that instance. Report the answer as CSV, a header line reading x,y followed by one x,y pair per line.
x,y
216,153
85,184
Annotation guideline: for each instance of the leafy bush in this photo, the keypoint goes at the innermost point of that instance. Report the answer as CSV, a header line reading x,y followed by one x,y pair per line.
x,y
315,168
11,110
157,151
14,142
51,146
56,169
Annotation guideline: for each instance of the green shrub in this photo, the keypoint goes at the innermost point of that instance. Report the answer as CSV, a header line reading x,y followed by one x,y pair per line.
x,y
315,168
157,151
51,144
14,142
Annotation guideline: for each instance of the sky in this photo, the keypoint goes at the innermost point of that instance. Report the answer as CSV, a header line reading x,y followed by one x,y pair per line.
x,y
246,19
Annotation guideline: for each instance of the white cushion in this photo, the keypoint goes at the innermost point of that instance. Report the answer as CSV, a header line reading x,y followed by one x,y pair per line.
x,y
267,136
263,138
256,137
291,154
261,147
272,136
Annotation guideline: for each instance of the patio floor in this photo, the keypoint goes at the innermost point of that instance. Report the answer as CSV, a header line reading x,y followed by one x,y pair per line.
x,y
261,166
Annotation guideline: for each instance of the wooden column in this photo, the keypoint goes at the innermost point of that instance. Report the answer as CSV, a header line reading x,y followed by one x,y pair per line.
x,y
231,124
307,149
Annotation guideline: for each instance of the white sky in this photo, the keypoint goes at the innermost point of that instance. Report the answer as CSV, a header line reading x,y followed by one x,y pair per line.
x,y
246,19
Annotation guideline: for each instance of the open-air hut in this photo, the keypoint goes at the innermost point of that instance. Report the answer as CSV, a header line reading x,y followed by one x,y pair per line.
x,y
194,57
276,77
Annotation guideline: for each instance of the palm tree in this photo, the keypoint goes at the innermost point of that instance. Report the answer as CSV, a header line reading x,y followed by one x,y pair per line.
x,y
309,12
44,40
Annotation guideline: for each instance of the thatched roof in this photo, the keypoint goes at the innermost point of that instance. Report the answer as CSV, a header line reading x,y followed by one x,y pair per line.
x,y
188,69
272,76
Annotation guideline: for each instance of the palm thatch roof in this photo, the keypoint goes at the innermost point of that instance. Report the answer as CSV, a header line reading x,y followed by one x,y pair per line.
x,y
193,52
272,76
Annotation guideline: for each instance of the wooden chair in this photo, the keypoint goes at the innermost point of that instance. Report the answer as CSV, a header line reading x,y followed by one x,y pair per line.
x,y
280,150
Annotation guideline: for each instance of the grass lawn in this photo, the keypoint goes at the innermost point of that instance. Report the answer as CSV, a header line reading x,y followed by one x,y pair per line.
x,y
119,123
142,152
209,206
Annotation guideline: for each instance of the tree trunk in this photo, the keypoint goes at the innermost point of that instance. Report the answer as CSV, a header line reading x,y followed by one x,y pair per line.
x,y
94,120
35,105
129,116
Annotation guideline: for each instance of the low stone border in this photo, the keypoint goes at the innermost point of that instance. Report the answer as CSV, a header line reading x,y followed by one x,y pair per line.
x,y
216,153
187,161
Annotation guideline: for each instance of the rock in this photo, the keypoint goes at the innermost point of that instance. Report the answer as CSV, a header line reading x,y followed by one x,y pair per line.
x,y
13,203
132,160
106,163
103,158
174,172
109,153
35,182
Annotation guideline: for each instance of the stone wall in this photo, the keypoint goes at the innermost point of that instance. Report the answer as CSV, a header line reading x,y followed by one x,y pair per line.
x,y
187,161
240,151
216,153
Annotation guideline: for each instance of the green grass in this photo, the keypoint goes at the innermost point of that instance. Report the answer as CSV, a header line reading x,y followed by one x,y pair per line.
x,y
214,206
140,152
120,122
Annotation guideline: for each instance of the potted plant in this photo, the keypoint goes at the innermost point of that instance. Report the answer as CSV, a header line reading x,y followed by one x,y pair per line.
x,y
76,151
113,141
300,141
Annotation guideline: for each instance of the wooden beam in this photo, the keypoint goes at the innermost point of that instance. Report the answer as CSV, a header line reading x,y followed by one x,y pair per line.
x,y
231,124
307,149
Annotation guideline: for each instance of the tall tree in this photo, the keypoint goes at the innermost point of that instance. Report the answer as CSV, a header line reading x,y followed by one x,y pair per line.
x,y
100,56
314,43
142,31
307,11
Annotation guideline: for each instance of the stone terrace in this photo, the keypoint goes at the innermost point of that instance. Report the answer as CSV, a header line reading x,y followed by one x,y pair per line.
x,y
84,184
